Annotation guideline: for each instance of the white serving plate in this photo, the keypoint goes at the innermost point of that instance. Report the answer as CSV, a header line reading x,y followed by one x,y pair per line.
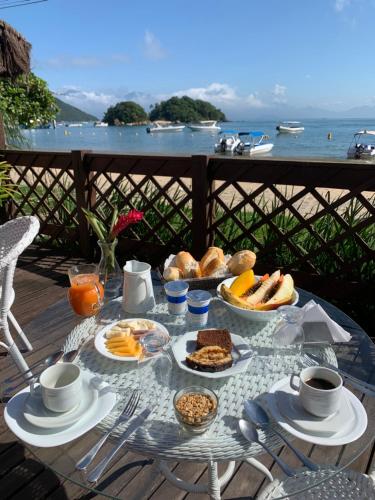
x,y
100,340
37,414
186,344
246,313
350,434
45,438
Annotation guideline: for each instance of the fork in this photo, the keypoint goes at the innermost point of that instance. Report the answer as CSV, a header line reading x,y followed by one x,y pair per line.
x,y
127,412
366,388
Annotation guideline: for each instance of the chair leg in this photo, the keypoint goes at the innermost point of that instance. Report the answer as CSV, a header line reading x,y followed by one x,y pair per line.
x,y
19,330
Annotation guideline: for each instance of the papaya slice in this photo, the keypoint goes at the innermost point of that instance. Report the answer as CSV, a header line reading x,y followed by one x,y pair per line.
x,y
243,283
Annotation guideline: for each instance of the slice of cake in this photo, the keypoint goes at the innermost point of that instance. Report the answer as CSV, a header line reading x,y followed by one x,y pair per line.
x,y
210,359
220,338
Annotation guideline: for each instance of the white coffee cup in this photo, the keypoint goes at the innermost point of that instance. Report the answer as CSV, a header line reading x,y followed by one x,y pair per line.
x,y
318,401
138,295
61,387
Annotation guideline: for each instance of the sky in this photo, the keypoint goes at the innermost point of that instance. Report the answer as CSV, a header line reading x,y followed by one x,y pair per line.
x,y
247,58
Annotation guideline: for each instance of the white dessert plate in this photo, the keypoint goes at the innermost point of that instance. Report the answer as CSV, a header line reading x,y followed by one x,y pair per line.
x,y
37,414
247,313
100,339
45,438
186,344
356,418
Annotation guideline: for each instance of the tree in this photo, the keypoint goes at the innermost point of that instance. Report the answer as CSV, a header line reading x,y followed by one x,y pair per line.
x,y
185,109
26,101
125,112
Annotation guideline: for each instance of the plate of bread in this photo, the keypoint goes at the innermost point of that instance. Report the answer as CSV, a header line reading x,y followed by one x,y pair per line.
x,y
257,297
212,353
214,265
120,340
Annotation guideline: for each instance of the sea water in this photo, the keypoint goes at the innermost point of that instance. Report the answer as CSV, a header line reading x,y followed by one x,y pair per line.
x,y
313,142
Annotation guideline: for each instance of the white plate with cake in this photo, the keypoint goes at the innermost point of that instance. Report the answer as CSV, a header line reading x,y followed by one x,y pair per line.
x,y
212,353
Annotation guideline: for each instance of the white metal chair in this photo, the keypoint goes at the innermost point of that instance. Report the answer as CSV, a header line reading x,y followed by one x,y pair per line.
x,y
15,236
344,485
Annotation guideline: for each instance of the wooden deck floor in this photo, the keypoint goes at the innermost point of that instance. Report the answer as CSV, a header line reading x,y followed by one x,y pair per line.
x,y
39,283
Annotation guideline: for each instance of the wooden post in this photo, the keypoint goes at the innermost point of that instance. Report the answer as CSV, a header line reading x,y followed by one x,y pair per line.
x,y
200,205
81,188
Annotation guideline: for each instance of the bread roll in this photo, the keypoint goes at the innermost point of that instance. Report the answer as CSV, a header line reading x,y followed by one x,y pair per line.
x,y
188,265
215,267
213,253
241,261
172,273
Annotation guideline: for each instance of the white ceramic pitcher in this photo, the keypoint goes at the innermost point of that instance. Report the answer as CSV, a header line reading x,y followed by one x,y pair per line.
x,y
138,294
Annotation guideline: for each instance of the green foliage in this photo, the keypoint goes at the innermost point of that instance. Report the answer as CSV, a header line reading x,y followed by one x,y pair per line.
x,y
185,109
7,188
125,112
26,101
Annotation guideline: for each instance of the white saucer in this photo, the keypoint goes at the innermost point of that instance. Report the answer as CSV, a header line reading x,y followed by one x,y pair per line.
x,y
45,438
102,349
186,344
37,414
349,433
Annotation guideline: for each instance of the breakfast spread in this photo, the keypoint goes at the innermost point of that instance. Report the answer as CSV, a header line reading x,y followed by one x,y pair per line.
x,y
194,408
213,264
121,339
266,294
213,352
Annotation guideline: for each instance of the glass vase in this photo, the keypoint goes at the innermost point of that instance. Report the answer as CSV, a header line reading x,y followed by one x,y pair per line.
x,y
110,273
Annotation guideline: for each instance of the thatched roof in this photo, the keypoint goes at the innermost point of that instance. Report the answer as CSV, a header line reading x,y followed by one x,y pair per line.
x,y
14,52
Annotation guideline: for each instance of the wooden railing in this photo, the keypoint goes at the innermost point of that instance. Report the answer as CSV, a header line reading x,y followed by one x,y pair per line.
x,y
316,218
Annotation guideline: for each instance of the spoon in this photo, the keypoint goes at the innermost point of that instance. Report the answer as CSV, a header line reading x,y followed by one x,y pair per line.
x,y
260,418
50,360
250,433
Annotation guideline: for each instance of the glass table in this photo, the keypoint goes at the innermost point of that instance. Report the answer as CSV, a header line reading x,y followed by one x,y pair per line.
x,y
163,440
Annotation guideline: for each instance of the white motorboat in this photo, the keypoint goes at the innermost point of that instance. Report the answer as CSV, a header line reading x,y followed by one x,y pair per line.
x,y
100,124
157,127
74,125
205,125
228,142
290,127
254,145
362,146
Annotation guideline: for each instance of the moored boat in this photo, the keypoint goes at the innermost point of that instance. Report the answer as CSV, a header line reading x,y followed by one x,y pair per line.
x,y
100,124
228,142
362,146
157,127
255,143
290,127
205,125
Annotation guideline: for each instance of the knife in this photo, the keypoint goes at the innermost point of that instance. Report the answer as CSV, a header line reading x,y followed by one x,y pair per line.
x,y
133,426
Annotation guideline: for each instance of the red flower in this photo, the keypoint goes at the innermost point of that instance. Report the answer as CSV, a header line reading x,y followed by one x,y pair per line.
x,y
124,221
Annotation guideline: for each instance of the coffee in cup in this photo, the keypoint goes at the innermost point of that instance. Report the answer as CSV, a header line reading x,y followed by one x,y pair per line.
x,y
61,387
319,390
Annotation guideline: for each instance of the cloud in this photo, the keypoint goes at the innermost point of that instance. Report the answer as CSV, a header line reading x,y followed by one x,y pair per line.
x,y
215,92
152,47
254,102
68,61
341,4
279,93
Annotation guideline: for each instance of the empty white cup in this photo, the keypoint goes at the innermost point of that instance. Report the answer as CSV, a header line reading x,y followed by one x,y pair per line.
x,y
61,387
176,296
198,303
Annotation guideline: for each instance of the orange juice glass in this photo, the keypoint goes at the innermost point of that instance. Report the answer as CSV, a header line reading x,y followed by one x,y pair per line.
x,y
86,292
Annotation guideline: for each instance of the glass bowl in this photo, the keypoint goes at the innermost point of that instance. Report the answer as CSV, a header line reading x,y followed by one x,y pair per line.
x,y
195,408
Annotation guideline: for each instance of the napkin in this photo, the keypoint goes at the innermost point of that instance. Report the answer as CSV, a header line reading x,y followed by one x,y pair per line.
x,y
317,325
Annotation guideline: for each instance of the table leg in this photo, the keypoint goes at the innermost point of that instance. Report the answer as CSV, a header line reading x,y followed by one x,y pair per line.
x,y
214,485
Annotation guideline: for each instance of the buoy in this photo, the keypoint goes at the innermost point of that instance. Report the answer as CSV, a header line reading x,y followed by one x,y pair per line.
x,y
329,136
65,132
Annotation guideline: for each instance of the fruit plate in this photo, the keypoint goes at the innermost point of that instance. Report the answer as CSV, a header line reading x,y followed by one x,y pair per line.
x,y
246,313
100,339
241,354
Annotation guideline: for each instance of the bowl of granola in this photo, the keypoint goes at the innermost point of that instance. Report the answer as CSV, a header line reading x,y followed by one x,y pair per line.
x,y
195,408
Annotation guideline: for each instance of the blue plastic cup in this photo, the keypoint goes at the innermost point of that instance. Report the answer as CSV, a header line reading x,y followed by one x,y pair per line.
x,y
198,302
176,296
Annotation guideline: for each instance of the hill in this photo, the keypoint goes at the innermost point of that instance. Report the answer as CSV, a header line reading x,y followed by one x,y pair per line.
x,y
70,113
185,109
